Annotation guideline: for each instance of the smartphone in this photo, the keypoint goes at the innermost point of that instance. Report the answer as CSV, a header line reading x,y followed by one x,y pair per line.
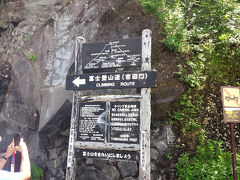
x,y
17,139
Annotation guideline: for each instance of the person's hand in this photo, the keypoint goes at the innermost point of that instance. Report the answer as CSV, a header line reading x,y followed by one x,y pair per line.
x,y
22,147
10,149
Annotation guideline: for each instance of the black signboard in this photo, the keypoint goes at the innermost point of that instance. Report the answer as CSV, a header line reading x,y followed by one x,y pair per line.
x,y
112,54
125,122
117,122
108,154
111,80
91,115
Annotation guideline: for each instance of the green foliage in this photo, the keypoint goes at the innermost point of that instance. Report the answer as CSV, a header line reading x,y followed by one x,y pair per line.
x,y
32,56
188,115
173,42
36,172
207,34
209,162
27,37
194,78
169,157
170,16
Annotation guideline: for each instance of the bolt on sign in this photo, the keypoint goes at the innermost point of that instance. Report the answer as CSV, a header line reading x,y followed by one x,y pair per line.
x,y
231,104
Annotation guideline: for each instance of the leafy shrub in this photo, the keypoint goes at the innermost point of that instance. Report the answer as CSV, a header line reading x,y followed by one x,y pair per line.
x,y
210,162
172,42
188,115
207,34
196,76
32,56
36,172
170,16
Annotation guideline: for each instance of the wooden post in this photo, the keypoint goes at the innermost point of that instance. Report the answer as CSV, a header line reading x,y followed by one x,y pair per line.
x,y
145,112
234,163
71,160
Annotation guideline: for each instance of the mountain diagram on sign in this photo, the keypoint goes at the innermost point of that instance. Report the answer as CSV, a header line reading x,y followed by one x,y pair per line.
x,y
113,55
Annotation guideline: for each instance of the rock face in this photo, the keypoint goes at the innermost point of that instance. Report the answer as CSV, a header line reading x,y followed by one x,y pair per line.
x,y
5,79
127,168
37,52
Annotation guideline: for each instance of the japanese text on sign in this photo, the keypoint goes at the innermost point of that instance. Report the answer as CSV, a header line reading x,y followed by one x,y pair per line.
x,y
124,121
107,154
111,80
118,124
117,77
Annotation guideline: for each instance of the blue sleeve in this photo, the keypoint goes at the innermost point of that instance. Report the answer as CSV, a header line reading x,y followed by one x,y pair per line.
x,y
5,175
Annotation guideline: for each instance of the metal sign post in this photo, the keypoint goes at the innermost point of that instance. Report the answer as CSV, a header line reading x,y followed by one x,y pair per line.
x,y
231,114
233,146
112,127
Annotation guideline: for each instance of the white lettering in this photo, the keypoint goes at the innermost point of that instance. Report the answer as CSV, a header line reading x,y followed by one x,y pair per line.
x,y
127,84
105,84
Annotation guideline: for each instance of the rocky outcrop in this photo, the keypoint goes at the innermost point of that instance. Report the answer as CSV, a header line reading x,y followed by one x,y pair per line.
x,y
5,79
19,21
36,52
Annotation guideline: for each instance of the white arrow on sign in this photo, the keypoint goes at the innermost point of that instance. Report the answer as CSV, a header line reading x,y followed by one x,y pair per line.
x,y
77,81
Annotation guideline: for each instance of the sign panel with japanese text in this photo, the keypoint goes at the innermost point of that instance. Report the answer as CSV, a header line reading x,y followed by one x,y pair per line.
x,y
108,154
113,122
111,80
124,122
